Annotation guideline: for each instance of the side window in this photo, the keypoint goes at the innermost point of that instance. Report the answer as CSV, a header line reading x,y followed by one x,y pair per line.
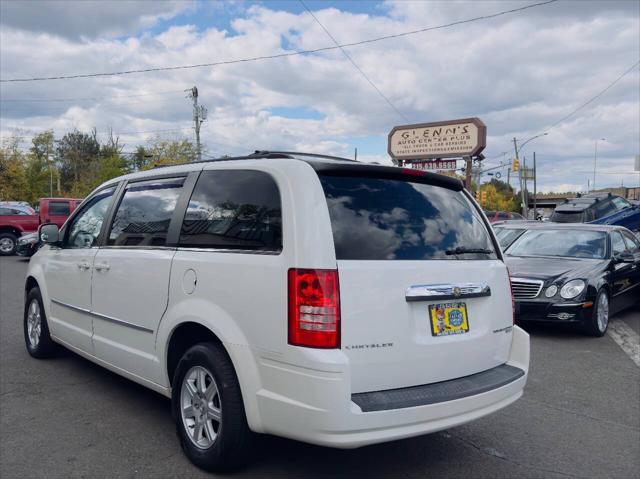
x,y
59,208
604,208
633,244
233,209
617,243
11,212
144,214
620,203
85,227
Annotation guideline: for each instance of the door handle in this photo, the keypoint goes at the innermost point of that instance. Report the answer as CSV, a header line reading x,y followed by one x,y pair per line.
x,y
102,267
84,265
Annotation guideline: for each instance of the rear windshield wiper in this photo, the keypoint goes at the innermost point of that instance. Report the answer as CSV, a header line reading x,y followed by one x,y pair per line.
x,y
461,250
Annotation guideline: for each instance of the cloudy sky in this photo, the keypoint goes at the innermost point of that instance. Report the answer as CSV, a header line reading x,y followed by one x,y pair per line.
x,y
521,73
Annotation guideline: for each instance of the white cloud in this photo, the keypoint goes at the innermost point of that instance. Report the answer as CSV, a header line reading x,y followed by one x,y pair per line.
x,y
88,18
519,73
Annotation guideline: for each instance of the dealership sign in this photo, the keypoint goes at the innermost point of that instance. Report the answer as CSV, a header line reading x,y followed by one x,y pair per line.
x,y
442,139
437,165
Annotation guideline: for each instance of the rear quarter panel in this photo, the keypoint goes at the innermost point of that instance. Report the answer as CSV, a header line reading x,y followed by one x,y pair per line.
x,y
242,297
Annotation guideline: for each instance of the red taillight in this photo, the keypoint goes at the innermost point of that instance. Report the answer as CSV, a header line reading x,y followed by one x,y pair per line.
x,y
314,308
513,301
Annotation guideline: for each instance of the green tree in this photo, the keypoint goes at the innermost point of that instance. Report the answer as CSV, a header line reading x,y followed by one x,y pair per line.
x,y
107,168
42,174
141,159
497,200
77,156
168,152
13,178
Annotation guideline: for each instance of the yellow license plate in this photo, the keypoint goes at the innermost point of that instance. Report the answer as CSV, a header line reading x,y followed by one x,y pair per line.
x,y
448,318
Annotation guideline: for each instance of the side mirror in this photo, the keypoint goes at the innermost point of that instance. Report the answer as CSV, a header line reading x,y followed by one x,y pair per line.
x,y
624,257
48,233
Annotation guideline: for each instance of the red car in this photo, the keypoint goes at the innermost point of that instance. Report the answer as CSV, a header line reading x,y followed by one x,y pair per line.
x,y
17,219
494,216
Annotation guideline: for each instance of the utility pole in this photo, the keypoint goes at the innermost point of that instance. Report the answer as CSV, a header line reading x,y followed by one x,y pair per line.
x,y
525,190
199,116
467,181
50,161
535,188
524,206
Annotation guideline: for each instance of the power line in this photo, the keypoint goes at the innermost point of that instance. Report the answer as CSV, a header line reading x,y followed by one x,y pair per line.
x,y
285,54
593,98
344,52
43,100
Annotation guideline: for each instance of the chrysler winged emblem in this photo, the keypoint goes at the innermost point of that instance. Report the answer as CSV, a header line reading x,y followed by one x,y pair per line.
x,y
457,291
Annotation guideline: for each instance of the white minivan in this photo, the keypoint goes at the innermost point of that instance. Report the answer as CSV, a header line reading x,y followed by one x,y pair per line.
x,y
311,297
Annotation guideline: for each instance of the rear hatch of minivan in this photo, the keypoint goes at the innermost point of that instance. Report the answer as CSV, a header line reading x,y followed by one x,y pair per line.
x,y
424,294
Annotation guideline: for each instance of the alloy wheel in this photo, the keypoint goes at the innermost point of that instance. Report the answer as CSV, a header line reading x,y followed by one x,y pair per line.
x,y
200,407
603,311
6,245
34,323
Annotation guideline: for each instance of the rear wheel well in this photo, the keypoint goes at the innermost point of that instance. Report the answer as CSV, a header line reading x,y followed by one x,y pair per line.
x,y
183,337
8,229
30,284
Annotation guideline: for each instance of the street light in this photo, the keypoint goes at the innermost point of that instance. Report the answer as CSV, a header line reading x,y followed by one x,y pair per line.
x,y
595,162
517,150
530,139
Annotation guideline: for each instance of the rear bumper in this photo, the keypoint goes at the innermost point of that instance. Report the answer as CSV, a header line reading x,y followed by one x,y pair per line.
x,y
316,406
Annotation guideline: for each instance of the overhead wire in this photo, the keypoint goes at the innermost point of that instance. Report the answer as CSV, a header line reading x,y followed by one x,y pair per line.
x,y
593,98
351,60
110,97
283,54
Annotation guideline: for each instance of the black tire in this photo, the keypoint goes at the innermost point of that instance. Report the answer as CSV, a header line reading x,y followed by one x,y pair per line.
x,y
592,328
44,347
231,446
10,241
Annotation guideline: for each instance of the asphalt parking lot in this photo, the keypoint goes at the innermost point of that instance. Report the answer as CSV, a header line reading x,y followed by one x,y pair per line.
x,y
68,418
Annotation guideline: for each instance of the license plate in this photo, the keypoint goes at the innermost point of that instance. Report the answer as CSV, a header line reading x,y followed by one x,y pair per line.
x,y
448,318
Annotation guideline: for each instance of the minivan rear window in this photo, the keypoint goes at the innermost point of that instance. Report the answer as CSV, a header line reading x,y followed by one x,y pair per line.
x,y
391,219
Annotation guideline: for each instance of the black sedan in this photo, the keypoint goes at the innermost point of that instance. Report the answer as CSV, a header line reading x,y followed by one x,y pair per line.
x,y
28,244
577,273
509,231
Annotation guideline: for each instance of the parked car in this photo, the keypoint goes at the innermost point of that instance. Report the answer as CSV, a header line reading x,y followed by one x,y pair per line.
x,y
14,221
588,207
315,298
508,232
28,244
495,216
579,274
627,215
17,219
56,210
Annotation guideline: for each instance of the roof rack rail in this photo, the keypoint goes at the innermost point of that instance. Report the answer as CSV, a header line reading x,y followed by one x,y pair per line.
x,y
265,154
312,155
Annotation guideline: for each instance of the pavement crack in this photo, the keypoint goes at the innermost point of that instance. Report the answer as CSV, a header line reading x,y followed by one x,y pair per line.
x,y
491,452
579,414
